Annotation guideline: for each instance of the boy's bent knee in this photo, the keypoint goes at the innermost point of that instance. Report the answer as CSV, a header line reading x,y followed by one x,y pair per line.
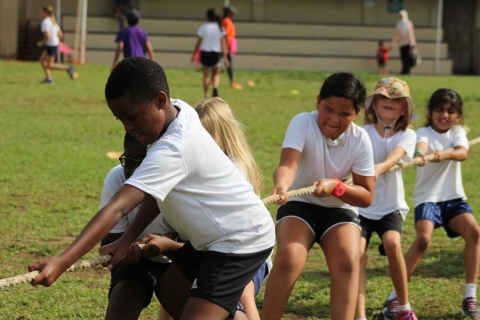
x,y
473,234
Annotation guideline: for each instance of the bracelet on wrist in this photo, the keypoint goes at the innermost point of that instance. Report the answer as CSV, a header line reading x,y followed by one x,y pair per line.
x,y
417,152
339,189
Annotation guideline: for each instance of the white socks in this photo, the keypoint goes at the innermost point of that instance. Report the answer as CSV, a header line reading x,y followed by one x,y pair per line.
x,y
404,307
471,290
392,295
362,319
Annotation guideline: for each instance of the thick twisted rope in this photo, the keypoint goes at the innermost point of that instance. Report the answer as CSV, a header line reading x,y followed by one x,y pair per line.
x,y
309,190
89,263
81,264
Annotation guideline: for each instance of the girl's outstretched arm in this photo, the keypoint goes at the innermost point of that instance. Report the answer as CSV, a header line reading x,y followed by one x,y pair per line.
x,y
124,201
458,153
391,160
285,173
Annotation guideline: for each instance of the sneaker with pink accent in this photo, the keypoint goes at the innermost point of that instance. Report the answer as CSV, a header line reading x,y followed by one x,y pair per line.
x,y
406,315
389,309
470,308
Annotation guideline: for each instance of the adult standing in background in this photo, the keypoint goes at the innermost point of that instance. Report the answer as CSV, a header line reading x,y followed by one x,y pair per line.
x,y
121,8
405,37
227,23
213,46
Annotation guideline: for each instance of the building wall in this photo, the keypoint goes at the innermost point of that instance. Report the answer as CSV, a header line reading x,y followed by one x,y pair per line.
x,y
458,22
9,11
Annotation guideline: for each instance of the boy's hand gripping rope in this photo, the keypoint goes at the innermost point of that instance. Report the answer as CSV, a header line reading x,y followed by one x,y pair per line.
x,y
81,264
88,263
309,190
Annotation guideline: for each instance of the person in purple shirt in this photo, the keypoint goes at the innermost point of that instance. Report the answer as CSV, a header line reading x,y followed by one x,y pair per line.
x,y
132,40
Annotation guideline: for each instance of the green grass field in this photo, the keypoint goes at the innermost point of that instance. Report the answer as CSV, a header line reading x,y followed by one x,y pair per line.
x,y
53,155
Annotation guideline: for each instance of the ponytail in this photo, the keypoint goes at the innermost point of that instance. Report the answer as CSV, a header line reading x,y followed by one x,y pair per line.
x,y
49,11
212,16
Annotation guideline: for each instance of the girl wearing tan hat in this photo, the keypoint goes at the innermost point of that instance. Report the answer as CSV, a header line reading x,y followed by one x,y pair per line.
x,y
388,112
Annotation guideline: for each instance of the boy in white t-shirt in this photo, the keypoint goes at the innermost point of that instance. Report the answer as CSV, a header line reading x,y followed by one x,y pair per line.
x,y
201,193
323,147
439,197
388,112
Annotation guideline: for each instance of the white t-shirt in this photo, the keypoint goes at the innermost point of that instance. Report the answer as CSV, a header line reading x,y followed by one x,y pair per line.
x,y
389,191
211,37
442,181
324,158
114,180
47,25
200,192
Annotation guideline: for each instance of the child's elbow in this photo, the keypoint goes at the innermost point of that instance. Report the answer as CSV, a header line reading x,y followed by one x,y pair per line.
x,y
367,201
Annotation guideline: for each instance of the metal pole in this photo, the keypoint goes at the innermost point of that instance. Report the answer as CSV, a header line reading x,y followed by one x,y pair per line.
x,y
59,16
439,36
77,32
84,33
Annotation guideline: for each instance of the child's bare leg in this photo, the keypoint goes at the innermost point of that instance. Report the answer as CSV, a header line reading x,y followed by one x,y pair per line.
x,y
294,239
466,226
341,246
216,77
424,231
248,301
126,301
43,61
396,263
362,287
55,66
163,315
197,308
173,290
206,81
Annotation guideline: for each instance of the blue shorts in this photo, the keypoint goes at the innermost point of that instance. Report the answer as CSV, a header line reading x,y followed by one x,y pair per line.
x,y
51,51
440,213
259,277
145,272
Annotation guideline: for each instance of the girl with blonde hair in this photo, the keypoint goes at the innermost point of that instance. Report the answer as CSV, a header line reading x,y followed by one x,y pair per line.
x,y
50,41
217,118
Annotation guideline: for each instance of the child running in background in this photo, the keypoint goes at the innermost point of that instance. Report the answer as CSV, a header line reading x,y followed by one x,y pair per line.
x,y
382,58
388,112
200,192
323,147
51,40
213,46
217,118
132,284
439,197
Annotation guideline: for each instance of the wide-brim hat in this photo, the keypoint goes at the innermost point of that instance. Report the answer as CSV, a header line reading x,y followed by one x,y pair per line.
x,y
231,9
391,88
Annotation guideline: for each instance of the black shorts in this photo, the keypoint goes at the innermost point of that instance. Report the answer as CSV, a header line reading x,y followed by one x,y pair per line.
x,y
145,272
391,222
319,219
381,63
211,59
51,50
219,277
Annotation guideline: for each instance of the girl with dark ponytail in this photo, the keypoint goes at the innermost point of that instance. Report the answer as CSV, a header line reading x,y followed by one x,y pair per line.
x,y
213,46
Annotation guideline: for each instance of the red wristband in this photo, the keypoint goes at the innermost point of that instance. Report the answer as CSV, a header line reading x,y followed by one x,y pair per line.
x,y
339,189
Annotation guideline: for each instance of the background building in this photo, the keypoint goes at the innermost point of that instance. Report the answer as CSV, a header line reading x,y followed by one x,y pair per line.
x,y
322,35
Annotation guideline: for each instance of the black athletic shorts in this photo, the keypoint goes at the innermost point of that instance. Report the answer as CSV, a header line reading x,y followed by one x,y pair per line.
x,y
219,277
391,222
211,59
145,272
319,219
